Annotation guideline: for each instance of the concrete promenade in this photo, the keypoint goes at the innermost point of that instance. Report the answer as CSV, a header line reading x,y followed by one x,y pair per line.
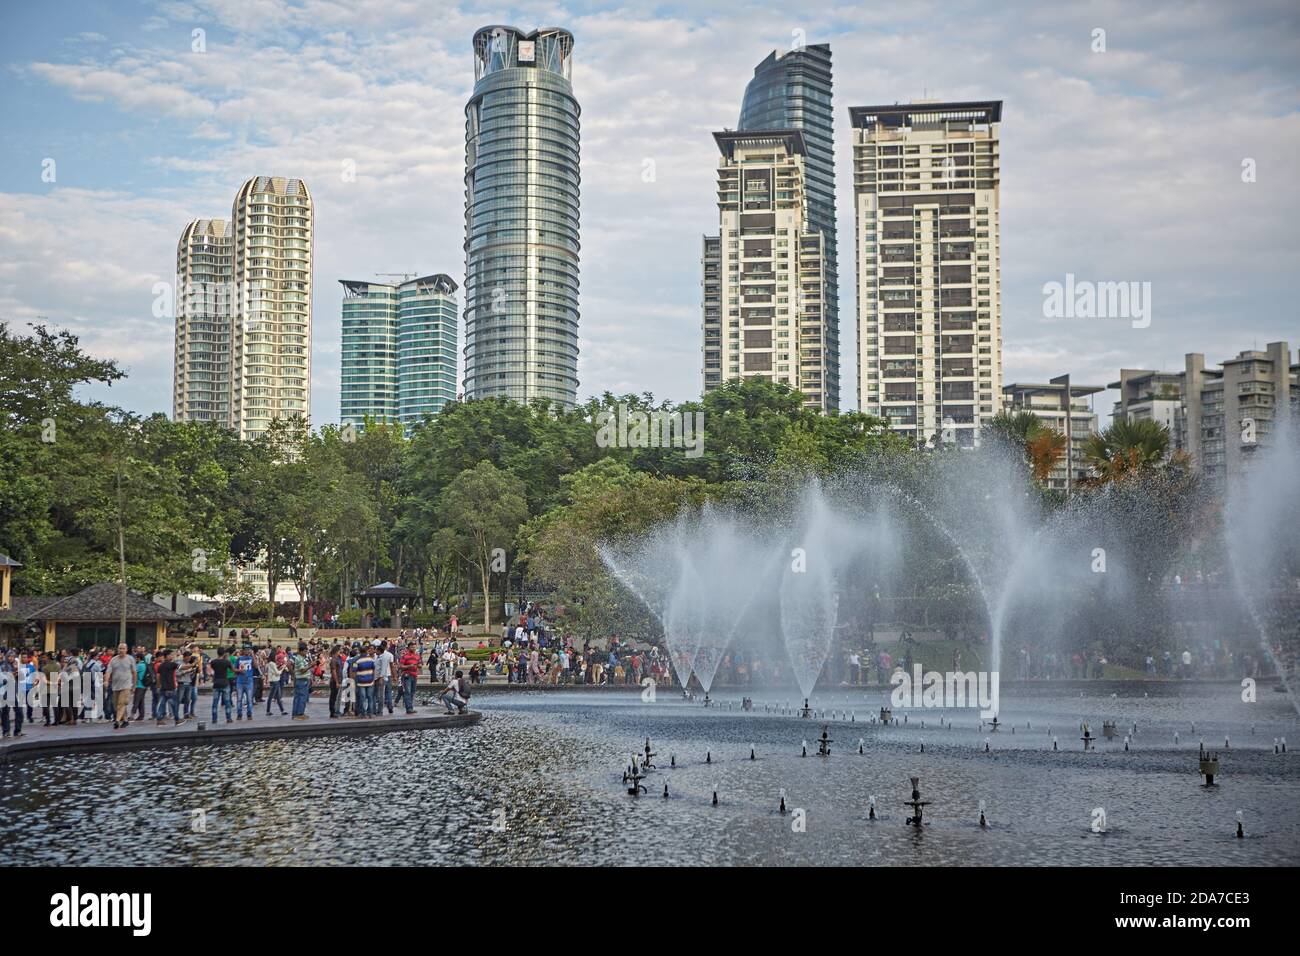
x,y
98,736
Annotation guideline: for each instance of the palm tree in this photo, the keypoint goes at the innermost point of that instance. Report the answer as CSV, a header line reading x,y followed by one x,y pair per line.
x,y
1129,447
1039,443
1017,428
1044,450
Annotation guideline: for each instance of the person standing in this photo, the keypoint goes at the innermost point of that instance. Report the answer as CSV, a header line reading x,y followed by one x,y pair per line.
x,y
301,681
188,675
11,689
273,695
363,672
410,668
347,686
50,680
336,678
121,684
244,668
259,675
68,692
219,668
385,672
92,683
137,691
167,687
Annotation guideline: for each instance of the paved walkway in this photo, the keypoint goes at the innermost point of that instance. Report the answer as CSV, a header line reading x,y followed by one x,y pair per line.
x,y
38,740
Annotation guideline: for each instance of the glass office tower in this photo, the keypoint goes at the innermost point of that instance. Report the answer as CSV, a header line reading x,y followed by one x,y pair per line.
x,y
399,349
426,347
368,385
521,218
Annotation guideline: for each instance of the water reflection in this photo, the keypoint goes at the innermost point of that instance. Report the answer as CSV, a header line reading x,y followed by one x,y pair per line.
x,y
549,766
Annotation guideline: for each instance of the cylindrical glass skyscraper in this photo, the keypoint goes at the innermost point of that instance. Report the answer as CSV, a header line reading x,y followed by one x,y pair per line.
x,y
521,218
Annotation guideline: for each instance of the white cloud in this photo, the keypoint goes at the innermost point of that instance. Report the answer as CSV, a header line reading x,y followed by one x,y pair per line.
x,y
1122,165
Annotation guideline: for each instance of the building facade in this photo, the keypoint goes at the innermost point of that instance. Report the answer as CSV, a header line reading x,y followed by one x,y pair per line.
x,y
926,194
765,272
201,373
521,218
399,349
368,362
427,321
1066,407
1220,417
1147,394
272,226
792,90
243,310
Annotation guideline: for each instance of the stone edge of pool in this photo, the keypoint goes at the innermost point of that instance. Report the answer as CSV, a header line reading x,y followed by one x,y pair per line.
x,y
15,751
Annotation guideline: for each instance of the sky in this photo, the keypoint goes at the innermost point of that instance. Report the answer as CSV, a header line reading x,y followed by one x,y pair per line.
x,y
1169,157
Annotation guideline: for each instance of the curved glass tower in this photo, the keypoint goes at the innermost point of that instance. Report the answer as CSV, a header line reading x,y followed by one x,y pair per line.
x,y
793,91
521,218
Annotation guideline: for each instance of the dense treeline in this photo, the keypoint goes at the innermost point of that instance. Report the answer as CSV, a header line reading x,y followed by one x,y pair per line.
x,y
485,493
495,497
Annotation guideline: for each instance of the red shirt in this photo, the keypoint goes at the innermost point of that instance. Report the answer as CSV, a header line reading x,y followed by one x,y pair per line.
x,y
410,663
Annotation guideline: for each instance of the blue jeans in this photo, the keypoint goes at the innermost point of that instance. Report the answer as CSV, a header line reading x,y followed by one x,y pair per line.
x,y
244,698
189,698
220,695
387,702
273,697
408,692
156,702
167,702
453,702
365,700
301,691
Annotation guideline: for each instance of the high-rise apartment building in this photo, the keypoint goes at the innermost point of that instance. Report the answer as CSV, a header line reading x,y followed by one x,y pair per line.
x,y
399,349
201,374
1066,407
521,218
926,182
792,90
272,227
763,313
1147,394
1231,415
1222,418
243,310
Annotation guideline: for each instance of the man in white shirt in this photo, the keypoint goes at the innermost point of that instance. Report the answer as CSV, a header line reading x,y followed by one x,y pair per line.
x,y
384,668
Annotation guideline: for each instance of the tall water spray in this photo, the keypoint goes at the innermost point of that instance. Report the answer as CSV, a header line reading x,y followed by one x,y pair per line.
x,y
1261,518
818,551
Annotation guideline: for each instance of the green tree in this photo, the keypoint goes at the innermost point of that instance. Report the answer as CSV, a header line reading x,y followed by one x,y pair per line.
x,y
1130,448
1039,444
607,501
485,506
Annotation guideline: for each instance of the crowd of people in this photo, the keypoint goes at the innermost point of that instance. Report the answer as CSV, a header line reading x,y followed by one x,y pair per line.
x,y
371,678
365,679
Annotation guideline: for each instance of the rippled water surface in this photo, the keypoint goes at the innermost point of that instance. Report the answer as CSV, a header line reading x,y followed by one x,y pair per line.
x,y
538,781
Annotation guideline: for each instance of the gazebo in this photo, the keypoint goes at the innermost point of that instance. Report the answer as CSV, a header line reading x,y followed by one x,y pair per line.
x,y
388,591
91,617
